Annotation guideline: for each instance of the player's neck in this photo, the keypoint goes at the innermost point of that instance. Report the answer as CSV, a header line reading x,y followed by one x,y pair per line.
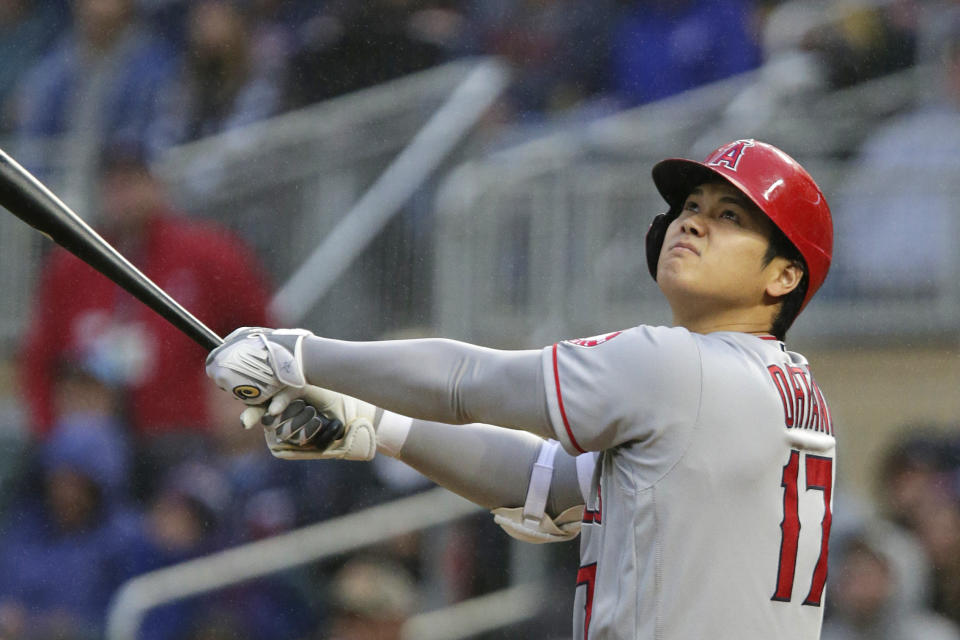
x,y
754,321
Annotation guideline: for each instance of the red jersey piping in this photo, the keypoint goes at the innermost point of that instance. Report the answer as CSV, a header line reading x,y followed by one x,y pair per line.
x,y
563,412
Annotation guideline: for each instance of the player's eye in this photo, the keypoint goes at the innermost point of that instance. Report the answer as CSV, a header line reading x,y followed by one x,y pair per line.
x,y
728,214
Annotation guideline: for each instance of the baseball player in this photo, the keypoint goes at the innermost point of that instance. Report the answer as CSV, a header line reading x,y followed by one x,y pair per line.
x,y
696,461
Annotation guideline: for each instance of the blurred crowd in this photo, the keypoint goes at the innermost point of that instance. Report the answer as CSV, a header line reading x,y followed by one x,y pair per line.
x,y
894,570
132,461
164,72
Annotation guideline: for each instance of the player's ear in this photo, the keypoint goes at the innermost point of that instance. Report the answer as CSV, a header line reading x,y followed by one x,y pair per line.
x,y
785,277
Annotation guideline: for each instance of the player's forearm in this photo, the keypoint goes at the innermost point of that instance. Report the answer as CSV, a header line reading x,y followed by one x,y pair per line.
x,y
440,380
487,465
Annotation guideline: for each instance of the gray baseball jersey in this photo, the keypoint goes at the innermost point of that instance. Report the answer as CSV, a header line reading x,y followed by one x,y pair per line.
x,y
710,507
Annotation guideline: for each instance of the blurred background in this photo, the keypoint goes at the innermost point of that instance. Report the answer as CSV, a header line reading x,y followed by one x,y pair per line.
x,y
472,169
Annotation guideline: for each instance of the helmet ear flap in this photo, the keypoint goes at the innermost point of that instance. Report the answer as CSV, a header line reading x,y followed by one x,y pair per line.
x,y
655,236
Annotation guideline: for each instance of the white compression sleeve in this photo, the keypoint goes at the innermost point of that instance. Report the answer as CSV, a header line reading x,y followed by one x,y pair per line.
x,y
392,431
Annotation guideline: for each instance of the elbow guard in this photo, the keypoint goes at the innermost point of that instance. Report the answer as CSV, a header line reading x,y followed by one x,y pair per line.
x,y
530,523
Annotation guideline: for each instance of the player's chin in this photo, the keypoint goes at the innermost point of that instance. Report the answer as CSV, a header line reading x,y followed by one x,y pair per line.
x,y
676,278
675,268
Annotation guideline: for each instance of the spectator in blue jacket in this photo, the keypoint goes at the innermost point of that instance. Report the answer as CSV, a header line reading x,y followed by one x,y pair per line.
x,y
65,545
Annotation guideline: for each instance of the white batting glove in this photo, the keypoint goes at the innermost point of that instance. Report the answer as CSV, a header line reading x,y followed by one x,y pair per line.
x,y
255,363
295,430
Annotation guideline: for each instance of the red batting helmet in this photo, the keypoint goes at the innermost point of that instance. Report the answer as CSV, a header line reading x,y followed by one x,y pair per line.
x,y
773,181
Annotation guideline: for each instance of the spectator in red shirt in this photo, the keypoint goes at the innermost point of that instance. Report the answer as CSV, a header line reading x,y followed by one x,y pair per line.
x,y
82,319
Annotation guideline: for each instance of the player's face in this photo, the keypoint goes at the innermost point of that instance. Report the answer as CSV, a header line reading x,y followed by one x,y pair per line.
x,y
713,253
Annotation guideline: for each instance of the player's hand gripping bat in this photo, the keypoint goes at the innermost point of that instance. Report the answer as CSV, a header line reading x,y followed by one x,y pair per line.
x,y
26,197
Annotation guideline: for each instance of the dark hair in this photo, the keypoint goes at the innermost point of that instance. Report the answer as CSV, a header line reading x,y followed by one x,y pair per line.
x,y
781,247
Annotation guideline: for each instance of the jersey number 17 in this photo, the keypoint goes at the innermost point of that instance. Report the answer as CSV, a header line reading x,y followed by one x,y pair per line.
x,y
819,477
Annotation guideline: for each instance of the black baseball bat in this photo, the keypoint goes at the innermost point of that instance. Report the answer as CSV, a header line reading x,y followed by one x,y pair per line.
x,y
23,195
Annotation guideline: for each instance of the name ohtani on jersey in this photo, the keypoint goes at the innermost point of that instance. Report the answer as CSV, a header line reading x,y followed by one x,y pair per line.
x,y
804,406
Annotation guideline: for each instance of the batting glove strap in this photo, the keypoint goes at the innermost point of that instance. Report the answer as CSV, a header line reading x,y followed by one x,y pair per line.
x,y
359,442
285,349
255,363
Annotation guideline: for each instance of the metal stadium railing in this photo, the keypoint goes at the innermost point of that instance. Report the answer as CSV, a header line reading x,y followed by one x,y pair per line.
x,y
350,164
546,239
316,542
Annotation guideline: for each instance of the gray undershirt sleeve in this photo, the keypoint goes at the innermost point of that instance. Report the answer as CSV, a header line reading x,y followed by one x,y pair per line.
x,y
442,383
488,465
434,379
